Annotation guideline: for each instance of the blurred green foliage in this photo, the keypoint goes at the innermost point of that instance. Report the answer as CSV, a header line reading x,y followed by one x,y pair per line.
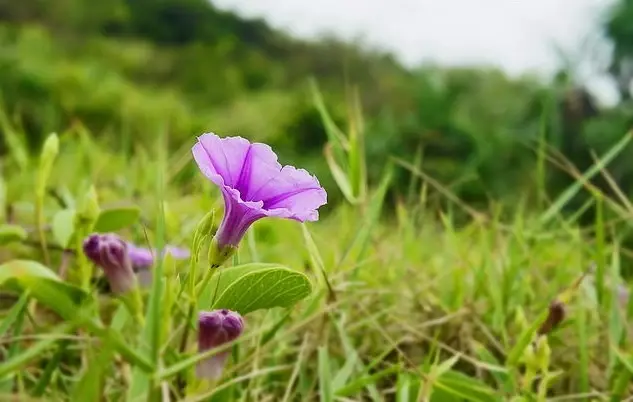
x,y
128,70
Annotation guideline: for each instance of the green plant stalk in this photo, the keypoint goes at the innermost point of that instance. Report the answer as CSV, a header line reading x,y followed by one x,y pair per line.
x,y
620,384
541,395
39,219
133,301
195,292
84,268
528,380
600,257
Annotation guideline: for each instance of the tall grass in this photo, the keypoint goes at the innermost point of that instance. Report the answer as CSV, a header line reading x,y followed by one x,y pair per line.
x,y
408,305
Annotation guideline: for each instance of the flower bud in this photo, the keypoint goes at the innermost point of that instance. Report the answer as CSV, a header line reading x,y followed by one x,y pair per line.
x,y
216,328
110,253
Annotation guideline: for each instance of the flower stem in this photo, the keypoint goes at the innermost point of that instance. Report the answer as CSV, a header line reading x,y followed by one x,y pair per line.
x,y
134,303
84,268
194,292
39,216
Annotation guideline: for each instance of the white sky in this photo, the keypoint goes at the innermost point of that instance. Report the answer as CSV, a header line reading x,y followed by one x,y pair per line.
x,y
517,35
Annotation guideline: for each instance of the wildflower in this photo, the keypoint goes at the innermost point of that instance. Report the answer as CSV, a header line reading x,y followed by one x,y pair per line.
x,y
140,258
109,252
254,185
143,258
216,328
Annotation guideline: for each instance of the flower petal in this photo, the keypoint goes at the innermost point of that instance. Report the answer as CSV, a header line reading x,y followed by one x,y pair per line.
x,y
221,159
260,166
211,368
295,190
254,185
141,257
178,253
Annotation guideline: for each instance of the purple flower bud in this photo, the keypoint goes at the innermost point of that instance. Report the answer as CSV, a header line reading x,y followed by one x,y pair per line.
x,y
216,328
110,253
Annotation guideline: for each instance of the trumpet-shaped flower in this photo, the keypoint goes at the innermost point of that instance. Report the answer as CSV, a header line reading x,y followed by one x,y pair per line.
x,y
216,328
254,185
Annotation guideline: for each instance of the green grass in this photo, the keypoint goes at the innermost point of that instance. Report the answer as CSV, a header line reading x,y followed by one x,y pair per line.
x,y
407,305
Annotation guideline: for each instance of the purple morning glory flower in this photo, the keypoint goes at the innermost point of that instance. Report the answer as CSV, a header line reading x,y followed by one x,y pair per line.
x,y
139,258
254,185
143,257
110,253
216,328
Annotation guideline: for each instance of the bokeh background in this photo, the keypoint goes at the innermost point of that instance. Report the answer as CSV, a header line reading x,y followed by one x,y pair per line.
x,y
472,87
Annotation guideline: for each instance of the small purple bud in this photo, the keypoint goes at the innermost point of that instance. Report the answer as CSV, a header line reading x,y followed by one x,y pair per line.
x,y
110,253
216,328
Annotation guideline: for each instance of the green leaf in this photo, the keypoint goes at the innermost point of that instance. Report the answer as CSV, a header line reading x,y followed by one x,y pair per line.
x,y
339,176
453,383
47,157
571,191
353,387
264,288
43,284
627,361
12,233
504,381
359,243
13,314
403,387
345,373
14,141
52,365
114,219
223,279
64,226
3,198
335,135
326,390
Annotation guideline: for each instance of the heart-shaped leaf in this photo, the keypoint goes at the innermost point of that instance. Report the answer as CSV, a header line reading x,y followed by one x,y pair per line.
x,y
224,278
43,284
64,226
264,288
11,233
114,219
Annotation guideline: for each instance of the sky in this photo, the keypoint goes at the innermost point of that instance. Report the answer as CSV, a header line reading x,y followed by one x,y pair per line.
x,y
517,35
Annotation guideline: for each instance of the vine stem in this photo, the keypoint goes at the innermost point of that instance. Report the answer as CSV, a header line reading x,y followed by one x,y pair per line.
x,y
194,292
